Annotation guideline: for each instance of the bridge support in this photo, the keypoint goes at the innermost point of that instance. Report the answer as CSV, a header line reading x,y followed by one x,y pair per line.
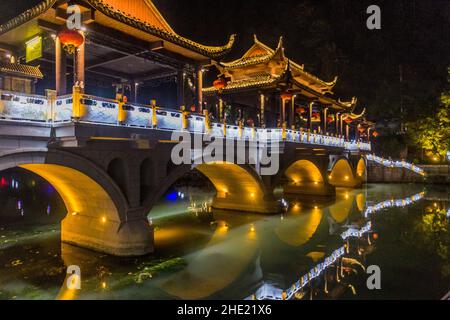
x,y
131,238
255,203
310,189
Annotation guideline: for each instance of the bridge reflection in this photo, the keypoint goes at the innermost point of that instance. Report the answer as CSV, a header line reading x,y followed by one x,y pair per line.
x,y
222,254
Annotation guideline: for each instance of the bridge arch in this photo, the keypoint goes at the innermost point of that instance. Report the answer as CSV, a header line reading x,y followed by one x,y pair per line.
x,y
98,216
361,170
342,174
238,187
303,176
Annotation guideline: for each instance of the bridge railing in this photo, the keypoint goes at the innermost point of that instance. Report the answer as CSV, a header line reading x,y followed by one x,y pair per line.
x,y
91,109
395,164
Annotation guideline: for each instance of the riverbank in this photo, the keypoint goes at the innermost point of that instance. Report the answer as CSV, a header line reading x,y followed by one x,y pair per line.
x,y
434,174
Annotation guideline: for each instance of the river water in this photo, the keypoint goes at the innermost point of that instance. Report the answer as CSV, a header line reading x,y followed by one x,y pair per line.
x,y
203,253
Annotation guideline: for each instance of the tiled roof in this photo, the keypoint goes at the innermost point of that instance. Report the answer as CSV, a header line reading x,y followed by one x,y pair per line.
x,y
253,82
108,10
21,69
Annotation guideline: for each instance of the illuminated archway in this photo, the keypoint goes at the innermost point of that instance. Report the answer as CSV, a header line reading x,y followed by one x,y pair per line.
x,y
304,177
342,175
361,170
238,188
96,209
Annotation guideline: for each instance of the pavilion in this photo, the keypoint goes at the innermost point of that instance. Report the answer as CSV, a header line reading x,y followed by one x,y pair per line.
x,y
265,88
128,46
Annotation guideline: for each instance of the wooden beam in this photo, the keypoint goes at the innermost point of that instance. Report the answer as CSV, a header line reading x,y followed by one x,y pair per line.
x,y
110,58
87,16
163,56
156,45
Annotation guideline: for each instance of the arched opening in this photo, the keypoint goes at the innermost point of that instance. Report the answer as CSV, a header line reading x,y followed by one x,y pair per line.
x,y
342,175
238,188
361,170
117,171
96,211
304,177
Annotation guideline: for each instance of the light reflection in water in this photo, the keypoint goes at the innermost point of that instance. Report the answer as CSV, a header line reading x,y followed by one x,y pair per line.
x,y
200,254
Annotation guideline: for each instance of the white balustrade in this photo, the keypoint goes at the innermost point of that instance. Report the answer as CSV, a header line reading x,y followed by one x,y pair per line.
x,y
22,107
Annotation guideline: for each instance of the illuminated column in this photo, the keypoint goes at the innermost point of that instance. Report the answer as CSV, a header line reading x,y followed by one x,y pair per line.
x,y
341,124
262,110
310,113
347,131
61,68
292,113
220,110
336,121
283,110
324,120
180,88
80,66
200,90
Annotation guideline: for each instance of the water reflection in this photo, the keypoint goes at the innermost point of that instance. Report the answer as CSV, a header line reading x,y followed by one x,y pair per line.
x,y
313,250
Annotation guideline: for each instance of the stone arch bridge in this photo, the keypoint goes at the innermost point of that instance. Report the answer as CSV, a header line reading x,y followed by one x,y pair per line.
x,y
110,177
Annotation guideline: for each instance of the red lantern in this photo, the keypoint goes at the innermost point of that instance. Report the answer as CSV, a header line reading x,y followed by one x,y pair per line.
x,y
193,108
70,39
362,130
348,121
375,236
300,110
330,119
286,96
316,116
375,134
219,84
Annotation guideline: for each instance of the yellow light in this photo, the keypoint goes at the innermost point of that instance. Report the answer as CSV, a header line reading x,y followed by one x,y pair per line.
x,y
347,177
315,182
330,176
252,229
252,195
74,213
346,196
316,207
103,219
104,285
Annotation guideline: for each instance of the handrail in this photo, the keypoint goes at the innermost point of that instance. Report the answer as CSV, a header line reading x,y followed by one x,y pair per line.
x,y
59,110
395,164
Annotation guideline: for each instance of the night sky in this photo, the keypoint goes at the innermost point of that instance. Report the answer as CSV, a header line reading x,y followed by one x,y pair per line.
x,y
330,37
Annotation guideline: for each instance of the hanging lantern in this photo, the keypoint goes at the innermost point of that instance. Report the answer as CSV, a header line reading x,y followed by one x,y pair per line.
x,y
315,116
300,110
330,119
375,134
193,108
362,130
70,39
286,96
348,121
375,236
219,84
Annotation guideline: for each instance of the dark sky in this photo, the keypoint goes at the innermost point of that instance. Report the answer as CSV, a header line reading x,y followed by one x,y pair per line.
x,y
330,37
